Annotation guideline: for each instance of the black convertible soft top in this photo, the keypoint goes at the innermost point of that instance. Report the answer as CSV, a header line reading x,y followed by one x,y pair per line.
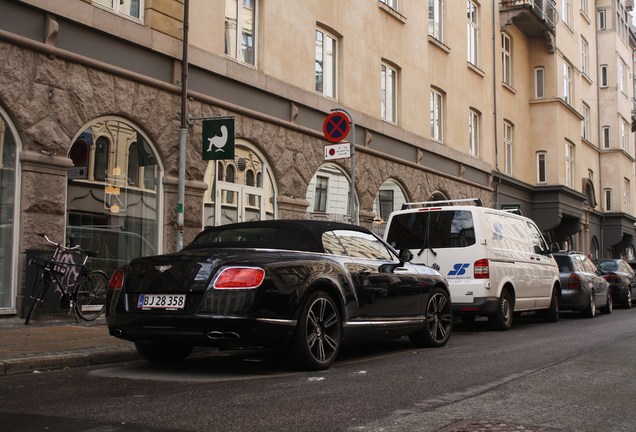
x,y
302,235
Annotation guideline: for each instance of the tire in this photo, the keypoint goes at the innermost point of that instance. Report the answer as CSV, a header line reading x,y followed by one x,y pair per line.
x,y
318,336
37,296
163,353
502,318
90,300
628,299
551,314
438,321
609,306
590,310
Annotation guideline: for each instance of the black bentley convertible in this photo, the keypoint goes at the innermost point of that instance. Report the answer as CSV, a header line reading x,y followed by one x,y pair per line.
x,y
300,287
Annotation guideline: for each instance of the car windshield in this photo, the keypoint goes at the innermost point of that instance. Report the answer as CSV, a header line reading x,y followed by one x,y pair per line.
x,y
607,265
255,237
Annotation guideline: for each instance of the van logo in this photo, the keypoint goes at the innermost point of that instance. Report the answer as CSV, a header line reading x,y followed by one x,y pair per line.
x,y
459,269
163,268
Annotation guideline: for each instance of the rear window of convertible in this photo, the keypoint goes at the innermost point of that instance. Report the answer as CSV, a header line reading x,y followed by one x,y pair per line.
x,y
432,229
256,237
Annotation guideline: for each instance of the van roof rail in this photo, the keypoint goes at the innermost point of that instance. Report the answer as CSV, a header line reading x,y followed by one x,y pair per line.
x,y
476,201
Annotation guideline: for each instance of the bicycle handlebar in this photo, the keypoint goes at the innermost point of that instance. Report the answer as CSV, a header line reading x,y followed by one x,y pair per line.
x,y
76,248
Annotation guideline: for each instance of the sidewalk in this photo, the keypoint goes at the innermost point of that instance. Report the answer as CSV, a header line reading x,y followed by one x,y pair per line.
x,y
58,344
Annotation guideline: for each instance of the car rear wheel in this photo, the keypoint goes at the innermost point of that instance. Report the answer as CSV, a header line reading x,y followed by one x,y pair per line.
x,y
609,305
628,299
163,353
551,314
590,310
502,319
318,337
439,321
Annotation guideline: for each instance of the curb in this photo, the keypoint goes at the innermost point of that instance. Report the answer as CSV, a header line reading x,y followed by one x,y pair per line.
x,y
85,357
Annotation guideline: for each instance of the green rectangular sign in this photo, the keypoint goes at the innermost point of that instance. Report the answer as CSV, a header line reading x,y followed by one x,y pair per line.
x,y
218,139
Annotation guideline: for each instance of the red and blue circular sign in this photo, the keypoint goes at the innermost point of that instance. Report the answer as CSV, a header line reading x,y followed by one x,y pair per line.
x,y
336,126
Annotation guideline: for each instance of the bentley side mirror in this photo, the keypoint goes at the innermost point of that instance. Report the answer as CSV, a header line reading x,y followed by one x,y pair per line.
x,y
405,256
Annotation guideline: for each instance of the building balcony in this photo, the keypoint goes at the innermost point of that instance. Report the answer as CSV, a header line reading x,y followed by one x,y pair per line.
x,y
535,18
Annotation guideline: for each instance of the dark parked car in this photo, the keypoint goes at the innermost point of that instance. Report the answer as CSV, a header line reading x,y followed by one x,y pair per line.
x,y
582,288
621,278
303,287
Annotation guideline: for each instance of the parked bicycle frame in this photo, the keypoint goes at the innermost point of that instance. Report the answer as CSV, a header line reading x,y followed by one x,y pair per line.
x,y
83,291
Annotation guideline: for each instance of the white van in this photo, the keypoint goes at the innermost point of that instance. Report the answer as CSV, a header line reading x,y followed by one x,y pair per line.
x,y
496,262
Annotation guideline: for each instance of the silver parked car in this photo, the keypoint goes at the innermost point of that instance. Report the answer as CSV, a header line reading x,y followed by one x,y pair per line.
x,y
582,287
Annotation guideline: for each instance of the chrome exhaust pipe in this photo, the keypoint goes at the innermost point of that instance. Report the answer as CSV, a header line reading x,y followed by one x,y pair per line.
x,y
217,335
116,332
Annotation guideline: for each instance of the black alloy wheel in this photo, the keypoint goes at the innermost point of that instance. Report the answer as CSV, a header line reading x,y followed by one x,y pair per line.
x,y
318,336
438,321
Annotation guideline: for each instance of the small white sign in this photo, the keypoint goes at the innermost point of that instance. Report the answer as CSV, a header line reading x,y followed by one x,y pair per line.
x,y
338,151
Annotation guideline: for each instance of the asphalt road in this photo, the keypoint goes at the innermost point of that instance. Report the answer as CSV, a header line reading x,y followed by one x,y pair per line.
x,y
574,375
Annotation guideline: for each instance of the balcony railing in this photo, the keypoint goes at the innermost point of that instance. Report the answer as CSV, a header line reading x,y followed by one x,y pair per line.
x,y
532,17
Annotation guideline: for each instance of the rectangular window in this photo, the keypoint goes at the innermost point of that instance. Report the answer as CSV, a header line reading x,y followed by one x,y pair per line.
x,y
606,137
626,197
506,59
131,8
623,130
541,167
602,20
604,76
566,83
584,7
436,19
607,198
437,107
586,122
388,93
566,12
539,83
320,198
393,4
326,64
386,200
473,133
585,57
622,76
507,138
240,30
569,164
473,32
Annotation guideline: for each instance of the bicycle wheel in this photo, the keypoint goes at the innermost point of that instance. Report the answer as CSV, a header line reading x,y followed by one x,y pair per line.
x,y
90,296
37,295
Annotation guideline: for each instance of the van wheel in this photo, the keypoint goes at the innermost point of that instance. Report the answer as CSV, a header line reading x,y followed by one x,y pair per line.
x,y
502,319
551,314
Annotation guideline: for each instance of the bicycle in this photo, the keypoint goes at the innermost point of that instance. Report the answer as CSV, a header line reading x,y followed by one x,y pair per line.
x,y
83,291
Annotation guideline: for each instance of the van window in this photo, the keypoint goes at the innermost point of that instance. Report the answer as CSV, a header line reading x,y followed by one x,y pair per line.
x,y
507,232
432,229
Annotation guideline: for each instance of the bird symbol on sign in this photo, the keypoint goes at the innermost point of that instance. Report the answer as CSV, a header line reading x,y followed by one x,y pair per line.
x,y
218,141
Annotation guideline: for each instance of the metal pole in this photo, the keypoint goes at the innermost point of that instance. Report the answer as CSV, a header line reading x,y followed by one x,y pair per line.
x,y
355,216
183,132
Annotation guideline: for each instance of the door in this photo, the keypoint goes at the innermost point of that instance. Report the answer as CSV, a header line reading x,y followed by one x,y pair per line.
x,y
238,203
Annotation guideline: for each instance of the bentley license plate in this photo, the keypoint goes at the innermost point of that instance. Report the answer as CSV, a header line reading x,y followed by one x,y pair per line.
x,y
161,301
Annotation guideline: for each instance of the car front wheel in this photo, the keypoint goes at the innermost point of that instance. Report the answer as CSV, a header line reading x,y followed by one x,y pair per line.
x,y
318,336
438,321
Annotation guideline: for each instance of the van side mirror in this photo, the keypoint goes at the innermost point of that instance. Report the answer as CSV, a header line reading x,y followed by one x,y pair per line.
x,y
405,256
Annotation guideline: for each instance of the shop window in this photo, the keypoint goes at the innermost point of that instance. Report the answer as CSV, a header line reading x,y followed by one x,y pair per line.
x,y
8,185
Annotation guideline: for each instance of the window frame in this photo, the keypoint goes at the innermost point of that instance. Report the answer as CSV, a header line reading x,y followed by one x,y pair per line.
x,y
542,167
384,80
567,83
474,131
335,66
116,7
568,157
321,193
506,59
586,122
508,136
604,76
473,18
601,19
606,137
585,56
436,19
437,115
539,83
238,42
607,199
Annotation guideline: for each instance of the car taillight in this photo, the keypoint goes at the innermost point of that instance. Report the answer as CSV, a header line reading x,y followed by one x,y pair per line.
x,y
240,278
482,269
612,278
116,280
574,282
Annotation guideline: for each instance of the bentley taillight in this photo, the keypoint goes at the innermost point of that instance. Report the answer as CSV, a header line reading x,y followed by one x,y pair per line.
x,y
116,280
240,278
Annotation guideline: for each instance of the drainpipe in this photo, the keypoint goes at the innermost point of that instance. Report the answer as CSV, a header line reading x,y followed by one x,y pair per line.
x,y
183,131
599,134
494,88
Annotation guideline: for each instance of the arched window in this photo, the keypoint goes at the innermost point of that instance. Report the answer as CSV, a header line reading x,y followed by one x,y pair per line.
x,y
438,196
594,248
9,173
245,185
329,194
104,213
389,198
